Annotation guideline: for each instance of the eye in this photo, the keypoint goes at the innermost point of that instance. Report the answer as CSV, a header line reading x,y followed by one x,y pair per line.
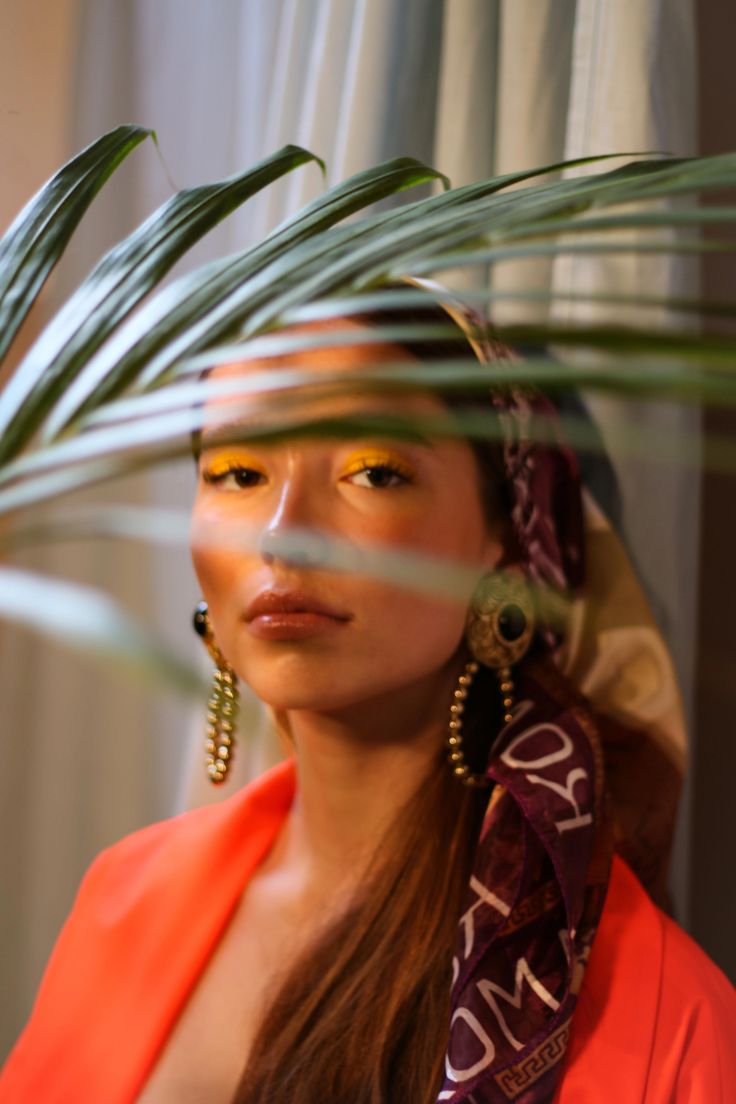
x,y
377,474
234,476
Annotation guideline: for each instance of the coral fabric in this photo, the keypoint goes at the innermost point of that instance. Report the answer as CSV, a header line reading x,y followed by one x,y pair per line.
x,y
655,1022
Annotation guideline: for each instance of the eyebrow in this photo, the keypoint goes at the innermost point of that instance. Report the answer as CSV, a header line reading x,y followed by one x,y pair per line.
x,y
230,432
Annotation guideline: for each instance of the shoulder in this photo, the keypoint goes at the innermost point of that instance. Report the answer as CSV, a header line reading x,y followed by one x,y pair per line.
x,y
656,1018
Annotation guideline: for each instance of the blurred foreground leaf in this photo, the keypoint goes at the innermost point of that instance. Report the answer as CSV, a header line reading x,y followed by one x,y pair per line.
x,y
91,622
113,383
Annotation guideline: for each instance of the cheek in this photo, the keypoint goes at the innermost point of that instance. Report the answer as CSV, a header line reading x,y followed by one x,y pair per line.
x,y
213,568
449,527
408,633
418,631
219,568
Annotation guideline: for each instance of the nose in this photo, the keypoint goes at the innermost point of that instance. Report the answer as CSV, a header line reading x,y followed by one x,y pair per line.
x,y
294,533
295,546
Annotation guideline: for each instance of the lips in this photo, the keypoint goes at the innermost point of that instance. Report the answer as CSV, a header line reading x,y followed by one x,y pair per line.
x,y
292,615
270,602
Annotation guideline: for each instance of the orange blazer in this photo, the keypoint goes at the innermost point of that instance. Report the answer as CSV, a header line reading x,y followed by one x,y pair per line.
x,y
655,1021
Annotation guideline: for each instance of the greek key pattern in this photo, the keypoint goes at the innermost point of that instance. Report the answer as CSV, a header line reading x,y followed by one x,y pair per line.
x,y
514,1080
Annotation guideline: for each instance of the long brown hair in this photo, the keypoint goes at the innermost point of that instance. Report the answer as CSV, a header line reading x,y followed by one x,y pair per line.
x,y
363,1016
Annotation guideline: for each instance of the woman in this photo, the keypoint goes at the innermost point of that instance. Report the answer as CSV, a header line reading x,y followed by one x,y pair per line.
x,y
371,922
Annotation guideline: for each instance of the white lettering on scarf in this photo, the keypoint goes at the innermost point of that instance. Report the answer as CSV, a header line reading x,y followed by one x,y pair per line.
x,y
489,990
489,1050
485,897
563,752
566,791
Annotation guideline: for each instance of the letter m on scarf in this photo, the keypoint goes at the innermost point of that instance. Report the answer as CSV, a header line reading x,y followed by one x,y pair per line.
x,y
489,990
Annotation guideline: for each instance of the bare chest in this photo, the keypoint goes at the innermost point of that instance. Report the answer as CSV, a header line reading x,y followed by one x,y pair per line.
x,y
206,1053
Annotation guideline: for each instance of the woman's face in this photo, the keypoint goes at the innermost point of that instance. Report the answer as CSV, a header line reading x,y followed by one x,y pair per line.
x,y
322,639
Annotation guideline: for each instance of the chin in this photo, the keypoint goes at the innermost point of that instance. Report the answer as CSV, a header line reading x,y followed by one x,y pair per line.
x,y
301,686
318,688
324,680
303,698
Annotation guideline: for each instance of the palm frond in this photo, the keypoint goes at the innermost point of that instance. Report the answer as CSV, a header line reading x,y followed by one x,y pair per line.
x,y
115,286
112,385
37,237
198,308
90,622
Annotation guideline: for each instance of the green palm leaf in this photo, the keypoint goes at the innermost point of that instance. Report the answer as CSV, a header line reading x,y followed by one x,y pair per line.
x,y
116,285
206,306
112,384
163,433
198,308
38,236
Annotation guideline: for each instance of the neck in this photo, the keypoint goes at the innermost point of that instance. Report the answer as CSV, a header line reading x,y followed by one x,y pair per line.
x,y
357,767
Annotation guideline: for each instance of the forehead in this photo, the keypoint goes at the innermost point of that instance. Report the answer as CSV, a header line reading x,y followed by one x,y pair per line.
x,y
336,358
334,355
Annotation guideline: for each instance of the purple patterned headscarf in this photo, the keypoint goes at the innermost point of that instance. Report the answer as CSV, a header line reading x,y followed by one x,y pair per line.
x,y
542,863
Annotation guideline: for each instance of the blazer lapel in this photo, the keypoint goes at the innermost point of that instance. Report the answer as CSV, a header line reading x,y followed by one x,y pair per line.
x,y
149,912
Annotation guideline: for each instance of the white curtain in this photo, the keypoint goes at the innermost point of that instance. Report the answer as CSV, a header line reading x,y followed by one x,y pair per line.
x,y
473,86
532,82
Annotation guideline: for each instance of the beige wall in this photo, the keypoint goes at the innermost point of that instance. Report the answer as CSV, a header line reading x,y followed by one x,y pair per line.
x,y
37,58
53,777
37,39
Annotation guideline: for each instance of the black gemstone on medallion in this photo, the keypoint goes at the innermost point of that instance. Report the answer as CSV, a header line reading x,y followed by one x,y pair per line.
x,y
199,620
512,621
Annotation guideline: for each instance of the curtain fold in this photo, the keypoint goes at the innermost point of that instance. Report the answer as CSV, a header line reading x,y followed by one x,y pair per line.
x,y
634,88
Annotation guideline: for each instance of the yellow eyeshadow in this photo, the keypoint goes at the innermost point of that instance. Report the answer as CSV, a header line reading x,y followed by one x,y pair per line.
x,y
376,458
224,464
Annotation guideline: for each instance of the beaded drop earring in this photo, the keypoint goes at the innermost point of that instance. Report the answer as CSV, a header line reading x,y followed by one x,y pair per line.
x,y
498,632
223,704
